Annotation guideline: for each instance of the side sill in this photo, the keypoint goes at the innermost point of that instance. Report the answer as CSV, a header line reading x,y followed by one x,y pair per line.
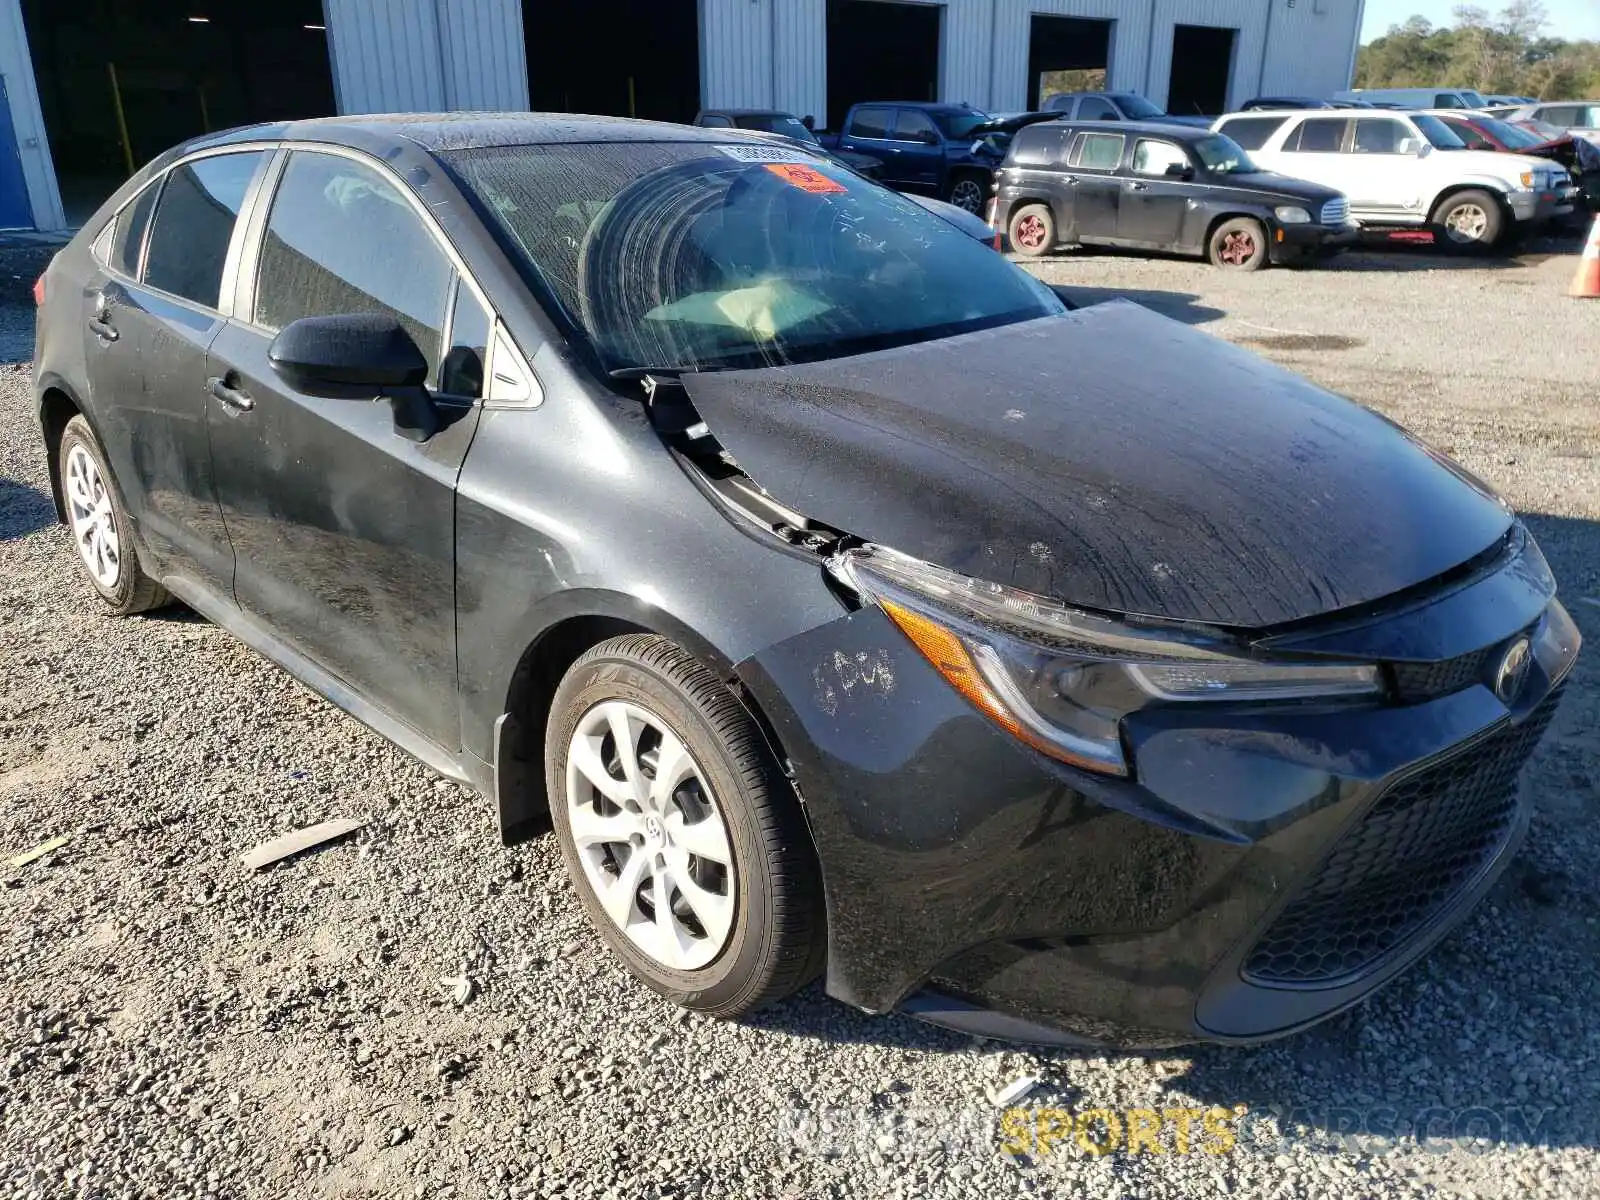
x,y
327,685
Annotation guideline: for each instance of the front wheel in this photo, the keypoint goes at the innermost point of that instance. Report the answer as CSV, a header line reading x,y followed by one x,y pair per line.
x,y
1238,245
967,191
683,839
1471,220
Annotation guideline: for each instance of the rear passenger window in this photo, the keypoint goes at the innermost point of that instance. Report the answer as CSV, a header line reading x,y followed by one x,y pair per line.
x,y
871,122
341,240
1099,151
1317,137
194,224
1038,146
1253,132
127,238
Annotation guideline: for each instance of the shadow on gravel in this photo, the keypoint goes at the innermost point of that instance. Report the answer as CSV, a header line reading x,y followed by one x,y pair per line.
x,y
1488,1043
1180,306
23,510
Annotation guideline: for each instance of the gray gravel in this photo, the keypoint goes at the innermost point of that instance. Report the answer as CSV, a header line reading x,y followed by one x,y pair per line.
x,y
172,1026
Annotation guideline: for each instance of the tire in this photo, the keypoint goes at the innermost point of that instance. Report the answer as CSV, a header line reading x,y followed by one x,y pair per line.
x,y
101,531
1471,220
968,192
1239,244
755,931
1032,230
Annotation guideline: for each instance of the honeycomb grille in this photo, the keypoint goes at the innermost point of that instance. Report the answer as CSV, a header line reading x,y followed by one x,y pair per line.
x,y
1413,852
1414,682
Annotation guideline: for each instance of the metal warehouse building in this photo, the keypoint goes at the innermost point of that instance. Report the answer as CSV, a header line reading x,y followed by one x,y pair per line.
x,y
91,89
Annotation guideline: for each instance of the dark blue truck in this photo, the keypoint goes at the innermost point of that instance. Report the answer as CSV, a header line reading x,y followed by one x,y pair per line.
x,y
946,150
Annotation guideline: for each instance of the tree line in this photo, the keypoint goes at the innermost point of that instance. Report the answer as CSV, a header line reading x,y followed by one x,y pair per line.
x,y
1505,54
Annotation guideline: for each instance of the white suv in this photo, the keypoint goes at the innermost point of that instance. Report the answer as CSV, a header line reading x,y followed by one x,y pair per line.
x,y
1402,169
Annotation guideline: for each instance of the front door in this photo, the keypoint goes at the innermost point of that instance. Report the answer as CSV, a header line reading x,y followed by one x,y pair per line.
x,y
345,530
1096,190
1382,171
150,326
918,149
1154,199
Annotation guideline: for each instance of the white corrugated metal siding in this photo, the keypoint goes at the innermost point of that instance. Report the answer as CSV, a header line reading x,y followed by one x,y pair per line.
x,y
429,54
27,120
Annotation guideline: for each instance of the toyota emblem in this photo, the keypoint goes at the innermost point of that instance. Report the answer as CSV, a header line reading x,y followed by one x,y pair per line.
x,y
1513,669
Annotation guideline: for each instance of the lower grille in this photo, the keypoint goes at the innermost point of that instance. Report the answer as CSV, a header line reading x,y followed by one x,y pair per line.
x,y
1421,844
1336,212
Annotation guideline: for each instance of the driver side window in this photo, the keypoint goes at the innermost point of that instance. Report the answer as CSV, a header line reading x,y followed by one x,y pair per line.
x,y
1158,158
1093,108
341,240
910,125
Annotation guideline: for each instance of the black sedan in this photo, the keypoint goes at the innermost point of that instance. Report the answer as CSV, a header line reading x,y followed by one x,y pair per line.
x,y
1163,188
848,605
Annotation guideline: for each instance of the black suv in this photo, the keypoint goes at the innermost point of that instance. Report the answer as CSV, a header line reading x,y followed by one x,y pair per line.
x,y
1160,187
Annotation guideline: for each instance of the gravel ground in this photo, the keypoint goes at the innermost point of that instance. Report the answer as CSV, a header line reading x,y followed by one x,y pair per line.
x,y
173,1026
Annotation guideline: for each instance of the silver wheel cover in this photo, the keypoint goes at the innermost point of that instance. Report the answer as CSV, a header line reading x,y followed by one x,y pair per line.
x,y
94,527
650,836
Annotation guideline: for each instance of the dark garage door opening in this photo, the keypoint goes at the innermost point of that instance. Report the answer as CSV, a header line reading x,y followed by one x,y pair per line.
x,y
881,51
1202,62
1067,54
123,80
619,58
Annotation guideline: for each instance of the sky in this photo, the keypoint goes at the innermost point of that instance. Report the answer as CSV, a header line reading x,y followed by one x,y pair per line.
x,y
1568,18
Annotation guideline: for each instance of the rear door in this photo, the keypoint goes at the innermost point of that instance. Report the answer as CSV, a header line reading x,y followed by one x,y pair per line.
x,y
150,313
1153,202
1096,158
346,530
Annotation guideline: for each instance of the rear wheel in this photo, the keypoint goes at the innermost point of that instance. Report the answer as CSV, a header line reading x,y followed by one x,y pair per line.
x,y
683,839
1238,245
1470,220
100,526
1032,230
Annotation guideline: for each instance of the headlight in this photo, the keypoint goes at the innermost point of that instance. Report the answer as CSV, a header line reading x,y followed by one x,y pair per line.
x,y
1532,179
1061,679
1290,215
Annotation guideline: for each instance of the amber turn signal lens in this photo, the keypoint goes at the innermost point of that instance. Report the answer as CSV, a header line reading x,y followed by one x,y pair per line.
x,y
950,658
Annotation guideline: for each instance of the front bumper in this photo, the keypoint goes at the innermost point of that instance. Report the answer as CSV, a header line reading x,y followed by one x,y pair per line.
x,y
980,885
1291,242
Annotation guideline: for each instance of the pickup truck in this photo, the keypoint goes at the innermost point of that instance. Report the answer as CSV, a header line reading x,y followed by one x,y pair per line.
x,y
943,150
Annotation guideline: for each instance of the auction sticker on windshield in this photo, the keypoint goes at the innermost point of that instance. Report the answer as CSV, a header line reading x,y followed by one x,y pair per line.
x,y
806,178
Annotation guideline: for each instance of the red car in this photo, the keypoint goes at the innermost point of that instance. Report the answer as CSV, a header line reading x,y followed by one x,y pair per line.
x,y
1579,156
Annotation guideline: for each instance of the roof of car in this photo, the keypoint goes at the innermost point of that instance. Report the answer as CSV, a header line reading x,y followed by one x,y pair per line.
x,y
1175,133
745,112
929,105
462,131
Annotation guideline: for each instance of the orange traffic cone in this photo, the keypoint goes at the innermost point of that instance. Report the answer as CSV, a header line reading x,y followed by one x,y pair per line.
x,y
1586,283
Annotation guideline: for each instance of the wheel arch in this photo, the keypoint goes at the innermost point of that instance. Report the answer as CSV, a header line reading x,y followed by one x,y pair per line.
x,y
1493,187
575,624
1233,214
57,406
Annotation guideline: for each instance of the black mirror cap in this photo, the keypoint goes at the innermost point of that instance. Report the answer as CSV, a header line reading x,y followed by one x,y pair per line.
x,y
349,355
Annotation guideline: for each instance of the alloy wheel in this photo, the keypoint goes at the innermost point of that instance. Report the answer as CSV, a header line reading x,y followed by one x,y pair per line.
x,y
1466,224
94,526
1238,248
650,836
1030,232
968,195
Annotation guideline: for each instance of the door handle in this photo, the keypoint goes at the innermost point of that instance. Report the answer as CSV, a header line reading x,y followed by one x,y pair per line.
x,y
235,398
1072,180
100,324
1138,187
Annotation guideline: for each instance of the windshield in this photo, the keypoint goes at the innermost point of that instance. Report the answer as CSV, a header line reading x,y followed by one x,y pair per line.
x,y
1508,135
789,127
1136,107
694,255
1224,156
958,126
1440,136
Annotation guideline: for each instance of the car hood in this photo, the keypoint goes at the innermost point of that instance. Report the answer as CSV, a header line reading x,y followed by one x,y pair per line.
x,y
1113,459
1270,183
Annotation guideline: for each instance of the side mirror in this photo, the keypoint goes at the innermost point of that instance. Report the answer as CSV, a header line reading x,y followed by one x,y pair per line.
x,y
360,356
927,137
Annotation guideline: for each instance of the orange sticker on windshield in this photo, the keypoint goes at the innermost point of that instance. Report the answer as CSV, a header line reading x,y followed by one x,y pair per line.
x,y
805,178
